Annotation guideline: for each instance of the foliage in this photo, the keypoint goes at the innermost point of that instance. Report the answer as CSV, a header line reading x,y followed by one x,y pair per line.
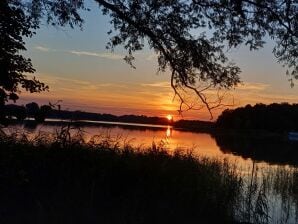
x,y
14,25
189,37
32,108
21,112
61,178
82,115
39,113
194,125
11,110
275,117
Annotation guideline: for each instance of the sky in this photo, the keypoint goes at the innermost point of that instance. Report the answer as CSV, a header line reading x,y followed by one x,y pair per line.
x,y
87,77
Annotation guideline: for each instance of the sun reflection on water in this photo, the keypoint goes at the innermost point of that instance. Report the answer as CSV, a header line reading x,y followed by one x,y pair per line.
x,y
169,132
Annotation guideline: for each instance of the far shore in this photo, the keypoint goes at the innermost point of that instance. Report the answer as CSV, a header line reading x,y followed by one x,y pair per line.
x,y
211,129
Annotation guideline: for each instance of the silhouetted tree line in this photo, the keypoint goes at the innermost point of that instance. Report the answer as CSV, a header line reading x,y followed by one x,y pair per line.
x,y
80,115
32,110
40,113
194,125
273,117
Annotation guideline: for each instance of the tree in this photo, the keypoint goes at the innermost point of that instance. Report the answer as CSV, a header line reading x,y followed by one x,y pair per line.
x,y
14,25
39,113
197,61
11,110
43,112
32,109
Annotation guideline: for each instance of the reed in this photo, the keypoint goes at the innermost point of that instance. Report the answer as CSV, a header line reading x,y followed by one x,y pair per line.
x,y
62,177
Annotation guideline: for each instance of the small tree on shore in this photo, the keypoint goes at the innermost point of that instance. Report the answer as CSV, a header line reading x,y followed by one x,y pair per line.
x,y
38,113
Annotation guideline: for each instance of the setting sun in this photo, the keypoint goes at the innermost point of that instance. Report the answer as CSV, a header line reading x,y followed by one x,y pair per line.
x,y
169,117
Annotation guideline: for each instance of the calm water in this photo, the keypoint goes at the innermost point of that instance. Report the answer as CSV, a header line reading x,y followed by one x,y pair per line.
x,y
232,148
269,154
144,135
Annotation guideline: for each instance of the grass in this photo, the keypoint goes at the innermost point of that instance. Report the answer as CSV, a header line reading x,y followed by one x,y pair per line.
x,y
61,178
67,180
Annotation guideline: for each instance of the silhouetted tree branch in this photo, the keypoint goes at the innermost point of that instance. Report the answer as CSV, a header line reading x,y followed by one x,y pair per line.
x,y
14,25
189,37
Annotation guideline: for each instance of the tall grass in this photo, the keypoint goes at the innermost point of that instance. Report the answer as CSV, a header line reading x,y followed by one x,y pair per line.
x,y
63,179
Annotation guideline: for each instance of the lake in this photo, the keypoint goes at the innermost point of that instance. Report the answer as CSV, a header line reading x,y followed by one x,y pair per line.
x,y
245,148
203,144
257,155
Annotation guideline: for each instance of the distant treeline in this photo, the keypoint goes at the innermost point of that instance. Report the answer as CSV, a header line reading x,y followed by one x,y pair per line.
x,y
194,125
80,115
273,117
141,119
32,110
39,113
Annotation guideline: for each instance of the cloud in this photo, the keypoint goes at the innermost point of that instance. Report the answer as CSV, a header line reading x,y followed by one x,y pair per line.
x,y
43,49
253,86
158,84
105,55
252,93
94,54
60,82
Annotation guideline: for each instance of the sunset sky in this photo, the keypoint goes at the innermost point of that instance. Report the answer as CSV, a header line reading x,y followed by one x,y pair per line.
x,y
87,77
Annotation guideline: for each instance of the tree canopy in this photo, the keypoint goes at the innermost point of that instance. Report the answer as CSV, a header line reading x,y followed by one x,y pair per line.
x,y
190,37
14,25
273,117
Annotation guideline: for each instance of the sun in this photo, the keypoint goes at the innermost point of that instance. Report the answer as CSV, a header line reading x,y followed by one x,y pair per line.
x,y
169,117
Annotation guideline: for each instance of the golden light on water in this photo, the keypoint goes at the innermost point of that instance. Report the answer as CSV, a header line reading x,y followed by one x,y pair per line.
x,y
169,132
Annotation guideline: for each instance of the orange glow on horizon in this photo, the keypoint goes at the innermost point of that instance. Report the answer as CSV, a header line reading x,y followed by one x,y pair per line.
x,y
169,117
143,98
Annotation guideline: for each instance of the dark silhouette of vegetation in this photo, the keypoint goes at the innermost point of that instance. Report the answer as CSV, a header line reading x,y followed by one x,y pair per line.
x,y
61,178
32,110
259,132
259,146
69,181
81,115
14,26
273,117
197,62
12,110
39,113
194,125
